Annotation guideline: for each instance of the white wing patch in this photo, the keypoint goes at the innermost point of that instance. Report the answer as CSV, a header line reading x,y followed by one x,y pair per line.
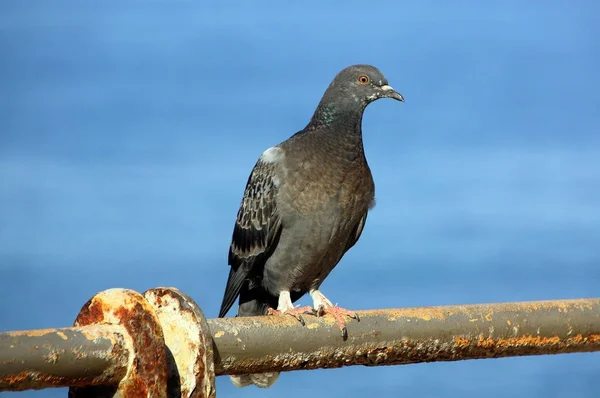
x,y
272,155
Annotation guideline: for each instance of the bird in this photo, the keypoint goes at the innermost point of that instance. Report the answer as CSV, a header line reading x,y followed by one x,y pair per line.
x,y
304,206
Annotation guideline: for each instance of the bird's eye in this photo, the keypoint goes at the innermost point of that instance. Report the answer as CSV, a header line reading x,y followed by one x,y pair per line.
x,y
363,79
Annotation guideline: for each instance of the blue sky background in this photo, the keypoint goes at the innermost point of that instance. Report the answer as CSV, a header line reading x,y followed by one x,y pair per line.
x,y
128,130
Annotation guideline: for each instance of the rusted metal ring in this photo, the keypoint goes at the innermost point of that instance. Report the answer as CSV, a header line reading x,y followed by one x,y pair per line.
x,y
147,374
189,342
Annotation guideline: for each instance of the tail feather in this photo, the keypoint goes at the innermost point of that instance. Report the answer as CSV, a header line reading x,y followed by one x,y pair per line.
x,y
255,301
262,380
235,283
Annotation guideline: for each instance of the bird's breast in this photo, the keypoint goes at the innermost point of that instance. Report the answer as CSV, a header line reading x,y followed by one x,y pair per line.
x,y
327,190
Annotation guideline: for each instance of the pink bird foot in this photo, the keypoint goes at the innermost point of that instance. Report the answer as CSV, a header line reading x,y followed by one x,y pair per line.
x,y
295,312
338,314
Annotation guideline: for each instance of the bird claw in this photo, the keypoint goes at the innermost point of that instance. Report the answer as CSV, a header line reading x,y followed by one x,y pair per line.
x,y
295,312
338,313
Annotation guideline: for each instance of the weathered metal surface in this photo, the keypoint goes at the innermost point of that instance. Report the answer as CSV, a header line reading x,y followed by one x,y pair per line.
x,y
188,339
147,372
410,335
117,347
45,358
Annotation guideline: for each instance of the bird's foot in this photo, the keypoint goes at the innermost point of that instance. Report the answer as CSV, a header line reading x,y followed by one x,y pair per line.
x,y
296,312
338,314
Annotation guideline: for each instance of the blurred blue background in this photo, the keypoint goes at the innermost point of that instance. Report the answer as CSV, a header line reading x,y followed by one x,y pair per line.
x,y
128,130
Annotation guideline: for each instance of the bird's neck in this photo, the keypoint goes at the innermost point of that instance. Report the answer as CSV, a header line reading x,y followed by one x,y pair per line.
x,y
340,131
337,119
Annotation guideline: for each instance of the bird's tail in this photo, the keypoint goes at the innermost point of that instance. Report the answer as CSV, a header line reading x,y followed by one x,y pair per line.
x,y
262,380
252,303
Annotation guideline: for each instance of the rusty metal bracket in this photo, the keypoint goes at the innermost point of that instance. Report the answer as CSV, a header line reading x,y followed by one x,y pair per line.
x,y
189,343
122,344
147,373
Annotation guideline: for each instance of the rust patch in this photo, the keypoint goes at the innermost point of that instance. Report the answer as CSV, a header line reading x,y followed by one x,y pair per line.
x,y
561,306
92,312
424,314
27,379
480,311
525,340
594,338
580,339
147,374
462,342
135,386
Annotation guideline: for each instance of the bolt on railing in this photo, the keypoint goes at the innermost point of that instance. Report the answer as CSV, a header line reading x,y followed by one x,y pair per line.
x,y
160,345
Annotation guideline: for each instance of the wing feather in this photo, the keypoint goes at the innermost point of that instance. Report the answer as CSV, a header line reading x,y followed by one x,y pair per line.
x,y
256,230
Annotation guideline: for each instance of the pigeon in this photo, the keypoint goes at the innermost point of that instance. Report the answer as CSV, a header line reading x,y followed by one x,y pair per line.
x,y
304,206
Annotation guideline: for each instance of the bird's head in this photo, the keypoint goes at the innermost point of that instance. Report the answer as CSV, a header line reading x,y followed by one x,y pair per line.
x,y
349,93
363,84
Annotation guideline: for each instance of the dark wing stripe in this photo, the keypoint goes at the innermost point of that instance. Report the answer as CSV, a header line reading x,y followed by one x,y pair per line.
x,y
255,234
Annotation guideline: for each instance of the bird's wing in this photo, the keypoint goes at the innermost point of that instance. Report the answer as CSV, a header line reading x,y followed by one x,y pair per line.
x,y
356,232
257,228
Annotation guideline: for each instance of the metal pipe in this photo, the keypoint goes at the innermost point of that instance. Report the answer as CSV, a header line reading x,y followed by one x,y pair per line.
x,y
91,355
409,335
101,349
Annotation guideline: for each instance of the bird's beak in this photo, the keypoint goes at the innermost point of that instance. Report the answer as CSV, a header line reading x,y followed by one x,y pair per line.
x,y
389,92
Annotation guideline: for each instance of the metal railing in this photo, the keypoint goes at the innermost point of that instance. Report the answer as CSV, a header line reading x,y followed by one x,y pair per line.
x,y
159,344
